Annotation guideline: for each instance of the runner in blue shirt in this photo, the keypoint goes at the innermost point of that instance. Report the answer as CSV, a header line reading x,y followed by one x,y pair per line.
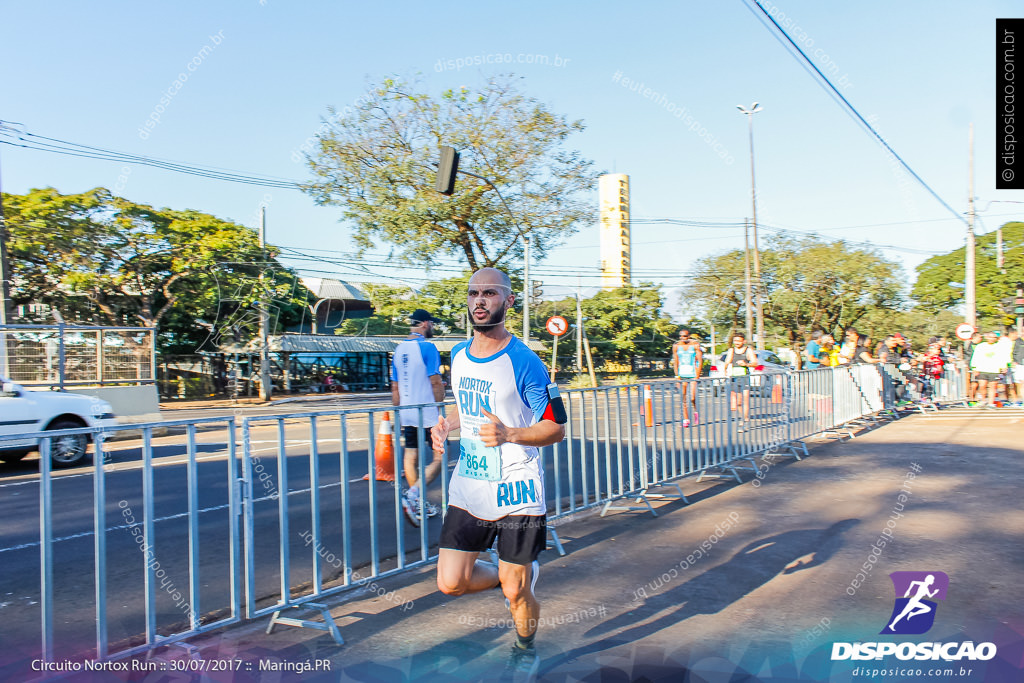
x,y
686,361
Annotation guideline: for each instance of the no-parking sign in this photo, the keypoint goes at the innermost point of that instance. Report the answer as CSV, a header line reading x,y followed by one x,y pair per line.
x,y
557,325
964,331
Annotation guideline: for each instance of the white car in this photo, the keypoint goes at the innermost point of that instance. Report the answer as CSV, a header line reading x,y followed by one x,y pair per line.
x,y
23,412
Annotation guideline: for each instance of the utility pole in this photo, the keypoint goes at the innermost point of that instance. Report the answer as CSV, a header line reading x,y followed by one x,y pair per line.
x,y
265,389
6,314
746,272
579,332
527,290
759,339
970,304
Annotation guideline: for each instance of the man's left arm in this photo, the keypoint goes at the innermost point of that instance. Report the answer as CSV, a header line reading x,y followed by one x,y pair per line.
x,y
542,398
542,433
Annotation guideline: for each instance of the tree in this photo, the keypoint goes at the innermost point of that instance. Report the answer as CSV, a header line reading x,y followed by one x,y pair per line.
x,y
620,323
940,278
807,284
444,299
378,163
100,258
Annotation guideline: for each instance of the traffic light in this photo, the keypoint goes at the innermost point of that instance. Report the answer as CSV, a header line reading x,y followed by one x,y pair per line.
x,y
536,292
447,168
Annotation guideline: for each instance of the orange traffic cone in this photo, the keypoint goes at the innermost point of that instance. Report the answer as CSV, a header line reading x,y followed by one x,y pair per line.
x,y
384,453
777,391
648,407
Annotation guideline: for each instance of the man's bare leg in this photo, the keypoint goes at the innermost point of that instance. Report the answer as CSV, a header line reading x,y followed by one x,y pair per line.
x,y
460,572
515,583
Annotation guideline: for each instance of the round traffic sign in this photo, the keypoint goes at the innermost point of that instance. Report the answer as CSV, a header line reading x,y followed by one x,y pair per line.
x,y
557,325
964,331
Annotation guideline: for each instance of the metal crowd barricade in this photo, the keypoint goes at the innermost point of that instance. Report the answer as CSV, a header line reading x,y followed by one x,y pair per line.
x,y
146,556
287,483
313,527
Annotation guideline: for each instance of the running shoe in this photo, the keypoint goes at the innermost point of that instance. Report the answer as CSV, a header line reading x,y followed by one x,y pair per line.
x,y
686,423
431,509
696,418
411,507
523,664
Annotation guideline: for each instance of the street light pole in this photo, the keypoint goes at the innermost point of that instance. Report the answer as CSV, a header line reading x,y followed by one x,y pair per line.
x,y
759,340
970,304
527,290
746,274
264,315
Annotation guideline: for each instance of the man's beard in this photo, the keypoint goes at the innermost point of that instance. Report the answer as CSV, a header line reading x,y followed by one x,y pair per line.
x,y
493,320
427,332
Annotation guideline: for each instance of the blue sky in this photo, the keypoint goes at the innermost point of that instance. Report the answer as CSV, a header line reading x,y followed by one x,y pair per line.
x,y
921,71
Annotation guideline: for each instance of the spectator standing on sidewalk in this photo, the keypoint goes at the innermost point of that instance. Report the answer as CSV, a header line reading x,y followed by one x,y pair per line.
x,y
847,351
829,351
972,386
862,351
1017,358
812,352
988,364
1005,345
415,379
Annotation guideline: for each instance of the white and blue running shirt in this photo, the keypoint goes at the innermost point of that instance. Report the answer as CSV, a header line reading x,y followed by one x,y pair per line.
x,y
511,384
413,363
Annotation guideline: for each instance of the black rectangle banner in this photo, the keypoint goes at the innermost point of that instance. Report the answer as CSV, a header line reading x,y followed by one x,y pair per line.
x,y
1009,116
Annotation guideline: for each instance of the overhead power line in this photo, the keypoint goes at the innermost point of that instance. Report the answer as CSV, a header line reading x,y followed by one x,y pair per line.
x,y
15,135
831,89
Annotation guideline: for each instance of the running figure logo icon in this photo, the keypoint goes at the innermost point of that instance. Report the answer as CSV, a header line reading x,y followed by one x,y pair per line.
x,y
914,612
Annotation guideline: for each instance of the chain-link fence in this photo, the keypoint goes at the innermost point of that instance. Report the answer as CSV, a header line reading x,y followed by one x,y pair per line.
x,y
76,355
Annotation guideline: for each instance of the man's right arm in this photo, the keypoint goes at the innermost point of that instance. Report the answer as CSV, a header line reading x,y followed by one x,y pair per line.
x,y
445,425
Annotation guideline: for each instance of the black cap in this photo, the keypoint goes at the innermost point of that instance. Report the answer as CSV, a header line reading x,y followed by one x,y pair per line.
x,y
421,316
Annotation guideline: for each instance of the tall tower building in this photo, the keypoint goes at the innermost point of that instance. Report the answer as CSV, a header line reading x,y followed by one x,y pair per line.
x,y
613,197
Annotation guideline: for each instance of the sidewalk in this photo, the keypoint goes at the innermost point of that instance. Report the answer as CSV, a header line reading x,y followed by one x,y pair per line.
x,y
746,580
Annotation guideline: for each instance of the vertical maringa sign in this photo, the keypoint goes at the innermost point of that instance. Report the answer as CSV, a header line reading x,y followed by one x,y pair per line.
x,y
1009,113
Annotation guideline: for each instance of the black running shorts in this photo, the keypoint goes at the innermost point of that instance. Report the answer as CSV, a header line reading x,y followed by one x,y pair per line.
x,y
412,439
521,538
988,376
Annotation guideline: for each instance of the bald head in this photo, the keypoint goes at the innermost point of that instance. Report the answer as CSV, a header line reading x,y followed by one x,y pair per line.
x,y
489,296
491,276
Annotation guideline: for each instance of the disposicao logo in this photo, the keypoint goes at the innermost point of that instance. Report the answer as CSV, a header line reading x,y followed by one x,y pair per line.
x,y
913,613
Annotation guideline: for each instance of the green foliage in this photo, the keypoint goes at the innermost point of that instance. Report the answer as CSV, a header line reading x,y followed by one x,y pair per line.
x,y
579,382
103,259
934,292
378,163
917,325
807,284
620,323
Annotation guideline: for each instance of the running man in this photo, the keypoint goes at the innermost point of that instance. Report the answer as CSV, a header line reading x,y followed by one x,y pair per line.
x,y
416,378
738,361
687,360
914,606
507,410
